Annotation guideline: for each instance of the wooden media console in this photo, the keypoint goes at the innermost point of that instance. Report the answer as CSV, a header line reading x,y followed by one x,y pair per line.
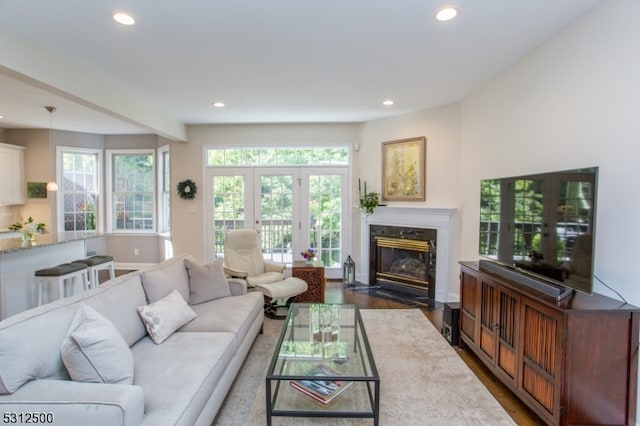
x,y
573,361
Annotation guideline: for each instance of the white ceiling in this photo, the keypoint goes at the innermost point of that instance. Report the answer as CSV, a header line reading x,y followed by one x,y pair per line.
x,y
281,61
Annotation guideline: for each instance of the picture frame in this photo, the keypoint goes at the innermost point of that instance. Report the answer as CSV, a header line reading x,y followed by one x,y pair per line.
x,y
403,169
36,189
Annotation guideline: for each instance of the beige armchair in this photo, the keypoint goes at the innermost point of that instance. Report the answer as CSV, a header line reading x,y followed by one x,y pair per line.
x,y
243,259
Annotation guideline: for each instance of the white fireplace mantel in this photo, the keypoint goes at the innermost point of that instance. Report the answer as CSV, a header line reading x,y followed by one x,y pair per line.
x,y
428,218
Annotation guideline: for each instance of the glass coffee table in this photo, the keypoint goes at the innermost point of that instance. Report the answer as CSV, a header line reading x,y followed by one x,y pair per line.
x,y
323,366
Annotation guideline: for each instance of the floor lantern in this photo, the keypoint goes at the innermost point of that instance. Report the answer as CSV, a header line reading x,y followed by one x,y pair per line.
x,y
349,273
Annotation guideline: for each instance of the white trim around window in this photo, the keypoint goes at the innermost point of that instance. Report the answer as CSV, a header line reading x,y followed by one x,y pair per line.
x,y
163,188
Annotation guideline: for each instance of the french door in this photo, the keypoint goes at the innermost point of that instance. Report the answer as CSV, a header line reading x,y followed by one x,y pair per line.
x,y
292,208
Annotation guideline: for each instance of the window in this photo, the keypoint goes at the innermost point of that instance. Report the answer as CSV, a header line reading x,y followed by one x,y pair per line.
x,y
290,156
131,190
302,203
164,190
79,189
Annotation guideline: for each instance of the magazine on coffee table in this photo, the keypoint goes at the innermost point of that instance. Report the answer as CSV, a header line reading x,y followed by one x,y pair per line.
x,y
322,391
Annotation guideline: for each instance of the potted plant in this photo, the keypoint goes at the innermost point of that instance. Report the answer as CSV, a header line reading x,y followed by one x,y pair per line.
x,y
368,200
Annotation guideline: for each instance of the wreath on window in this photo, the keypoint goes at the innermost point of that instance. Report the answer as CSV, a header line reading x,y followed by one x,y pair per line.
x,y
187,189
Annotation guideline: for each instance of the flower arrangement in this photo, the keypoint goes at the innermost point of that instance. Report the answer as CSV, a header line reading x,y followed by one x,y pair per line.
x,y
30,226
309,254
368,201
29,229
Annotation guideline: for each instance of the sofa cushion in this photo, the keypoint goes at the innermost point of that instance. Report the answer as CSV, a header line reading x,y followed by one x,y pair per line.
x,y
165,316
77,403
233,314
265,278
118,301
158,281
94,351
30,344
206,282
179,376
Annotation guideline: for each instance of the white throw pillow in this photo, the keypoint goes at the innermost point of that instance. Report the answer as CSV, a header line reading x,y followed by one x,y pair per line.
x,y
206,282
165,316
93,350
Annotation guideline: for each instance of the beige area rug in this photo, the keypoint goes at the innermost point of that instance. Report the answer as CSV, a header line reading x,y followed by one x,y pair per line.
x,y
423,381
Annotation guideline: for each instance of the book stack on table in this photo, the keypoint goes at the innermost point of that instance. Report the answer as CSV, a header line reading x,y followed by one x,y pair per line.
x,y
321,390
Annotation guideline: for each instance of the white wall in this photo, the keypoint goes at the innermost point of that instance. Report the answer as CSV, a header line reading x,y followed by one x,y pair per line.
x,y
573,102
441,128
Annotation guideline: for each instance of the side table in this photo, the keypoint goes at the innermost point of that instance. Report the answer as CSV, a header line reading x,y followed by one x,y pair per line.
x,y
313,274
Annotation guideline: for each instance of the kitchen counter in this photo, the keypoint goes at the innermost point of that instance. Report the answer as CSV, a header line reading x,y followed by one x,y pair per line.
x,y
43,240
19,260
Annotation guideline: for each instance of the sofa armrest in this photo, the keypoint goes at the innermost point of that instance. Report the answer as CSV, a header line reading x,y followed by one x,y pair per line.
x,y
75,403
273,266
237,286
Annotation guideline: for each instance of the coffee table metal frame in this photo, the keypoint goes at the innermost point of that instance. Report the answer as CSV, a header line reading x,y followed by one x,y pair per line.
x,y
362,400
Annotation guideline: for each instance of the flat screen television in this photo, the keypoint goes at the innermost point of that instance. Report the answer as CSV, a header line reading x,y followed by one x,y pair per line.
x,y
539,229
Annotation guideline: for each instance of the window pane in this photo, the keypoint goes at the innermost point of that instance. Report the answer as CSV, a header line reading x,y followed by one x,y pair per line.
x,y
277,156
133,186
79,190
325,207
276,211
228,207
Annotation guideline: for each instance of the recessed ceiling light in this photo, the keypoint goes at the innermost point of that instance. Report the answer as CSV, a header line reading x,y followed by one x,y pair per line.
x,y
446,13
218,104
124,18
388,102
1,117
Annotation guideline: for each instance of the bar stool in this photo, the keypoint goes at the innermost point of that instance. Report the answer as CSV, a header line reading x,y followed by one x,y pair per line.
x,y
57,277
97,264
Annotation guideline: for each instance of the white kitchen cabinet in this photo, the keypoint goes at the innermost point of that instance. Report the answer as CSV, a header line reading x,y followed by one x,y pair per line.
x,y
11,174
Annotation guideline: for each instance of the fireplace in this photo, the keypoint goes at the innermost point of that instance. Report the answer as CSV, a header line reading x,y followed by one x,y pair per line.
x,y
440,221
403,258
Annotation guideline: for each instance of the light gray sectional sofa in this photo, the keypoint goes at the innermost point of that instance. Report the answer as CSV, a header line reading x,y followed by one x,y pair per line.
x,y
182,379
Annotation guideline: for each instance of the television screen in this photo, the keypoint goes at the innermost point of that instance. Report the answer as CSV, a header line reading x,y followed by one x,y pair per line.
x,y
542,224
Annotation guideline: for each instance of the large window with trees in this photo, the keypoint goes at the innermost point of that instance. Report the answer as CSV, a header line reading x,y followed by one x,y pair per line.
x,y
131,189
295,197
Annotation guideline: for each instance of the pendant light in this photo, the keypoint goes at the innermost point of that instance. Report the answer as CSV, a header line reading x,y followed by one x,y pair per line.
x,y
51,186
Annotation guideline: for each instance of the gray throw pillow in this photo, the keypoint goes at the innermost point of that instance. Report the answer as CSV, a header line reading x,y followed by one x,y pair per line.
x,y
169,275
93,350
165,316
206,282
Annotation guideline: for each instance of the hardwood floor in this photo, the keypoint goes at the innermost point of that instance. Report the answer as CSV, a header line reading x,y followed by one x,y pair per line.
x,y
520,413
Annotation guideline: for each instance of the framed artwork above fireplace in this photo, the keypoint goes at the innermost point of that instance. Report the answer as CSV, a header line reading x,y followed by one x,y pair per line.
x,y
403,169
